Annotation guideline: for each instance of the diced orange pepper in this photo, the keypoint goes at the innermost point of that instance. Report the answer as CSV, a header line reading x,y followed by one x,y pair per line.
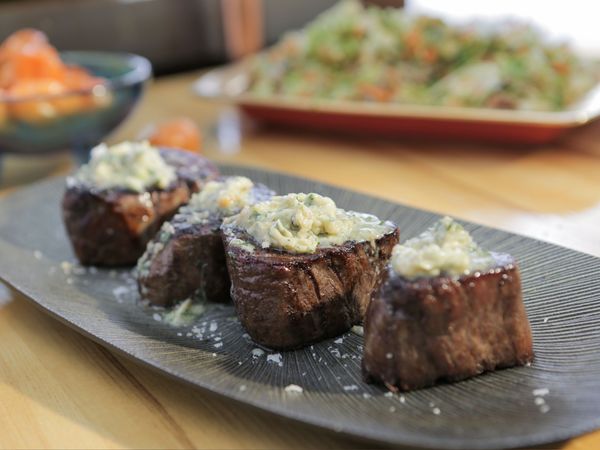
x,y
376,92
413,40
431,55
178,133
561,67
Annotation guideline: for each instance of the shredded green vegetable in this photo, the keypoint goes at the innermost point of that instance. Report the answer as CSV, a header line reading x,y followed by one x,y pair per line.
x,y
352,52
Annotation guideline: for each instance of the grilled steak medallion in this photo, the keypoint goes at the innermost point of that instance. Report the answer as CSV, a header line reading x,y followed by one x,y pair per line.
x,y
115,204
186,258
319,284
421,330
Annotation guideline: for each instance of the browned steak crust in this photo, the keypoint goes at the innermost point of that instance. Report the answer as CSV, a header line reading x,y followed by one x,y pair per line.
x,y
192,259
286,300
112,227
418,333
190,262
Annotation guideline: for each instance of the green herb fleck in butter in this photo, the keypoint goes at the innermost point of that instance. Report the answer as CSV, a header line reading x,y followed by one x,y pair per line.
x,y
225,197
129,165
444,249
247,246
185,312
299,223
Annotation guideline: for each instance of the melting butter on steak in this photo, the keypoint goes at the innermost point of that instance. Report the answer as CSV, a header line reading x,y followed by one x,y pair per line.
x,y
186,259
447,310
302,269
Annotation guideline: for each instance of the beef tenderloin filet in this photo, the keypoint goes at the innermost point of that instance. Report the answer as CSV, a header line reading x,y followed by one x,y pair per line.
x,y
286,300
429,330
188,259
111,227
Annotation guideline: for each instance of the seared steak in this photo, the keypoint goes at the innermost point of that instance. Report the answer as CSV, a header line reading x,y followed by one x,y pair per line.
x,y
111,227
421,332
287,300
186,258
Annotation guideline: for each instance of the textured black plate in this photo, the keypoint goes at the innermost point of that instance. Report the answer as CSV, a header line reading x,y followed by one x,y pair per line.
x,y
556,398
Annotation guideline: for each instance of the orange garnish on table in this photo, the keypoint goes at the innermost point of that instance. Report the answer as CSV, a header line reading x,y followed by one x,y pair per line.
x,y
177,133
31,69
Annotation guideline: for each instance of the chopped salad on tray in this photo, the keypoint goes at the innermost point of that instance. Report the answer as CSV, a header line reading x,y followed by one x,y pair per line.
x,y
353,52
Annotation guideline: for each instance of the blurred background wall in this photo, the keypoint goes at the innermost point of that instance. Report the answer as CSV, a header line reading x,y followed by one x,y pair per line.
x,y
174,34
185,34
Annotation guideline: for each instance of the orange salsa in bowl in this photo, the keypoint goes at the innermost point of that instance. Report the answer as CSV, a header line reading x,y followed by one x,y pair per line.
x,y
36,85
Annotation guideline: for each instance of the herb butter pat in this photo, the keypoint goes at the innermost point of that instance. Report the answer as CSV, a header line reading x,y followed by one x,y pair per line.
x,y
225,197
299,223
444,249
135,166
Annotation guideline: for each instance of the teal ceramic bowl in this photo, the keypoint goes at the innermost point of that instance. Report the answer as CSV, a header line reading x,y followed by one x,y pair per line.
x,y
76,120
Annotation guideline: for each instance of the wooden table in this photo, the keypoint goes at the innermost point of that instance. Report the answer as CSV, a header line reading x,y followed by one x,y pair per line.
x,y
59,389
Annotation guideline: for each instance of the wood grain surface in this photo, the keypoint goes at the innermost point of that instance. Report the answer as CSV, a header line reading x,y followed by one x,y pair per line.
x,y
60,390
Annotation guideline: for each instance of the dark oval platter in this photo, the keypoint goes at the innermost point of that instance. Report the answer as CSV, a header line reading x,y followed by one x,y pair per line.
x,y
555,398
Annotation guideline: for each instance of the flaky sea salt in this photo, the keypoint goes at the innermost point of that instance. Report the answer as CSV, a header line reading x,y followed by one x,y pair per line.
x,y
275,358
257,352
66,267
120,292
541,392
293,389
157,317
351,387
